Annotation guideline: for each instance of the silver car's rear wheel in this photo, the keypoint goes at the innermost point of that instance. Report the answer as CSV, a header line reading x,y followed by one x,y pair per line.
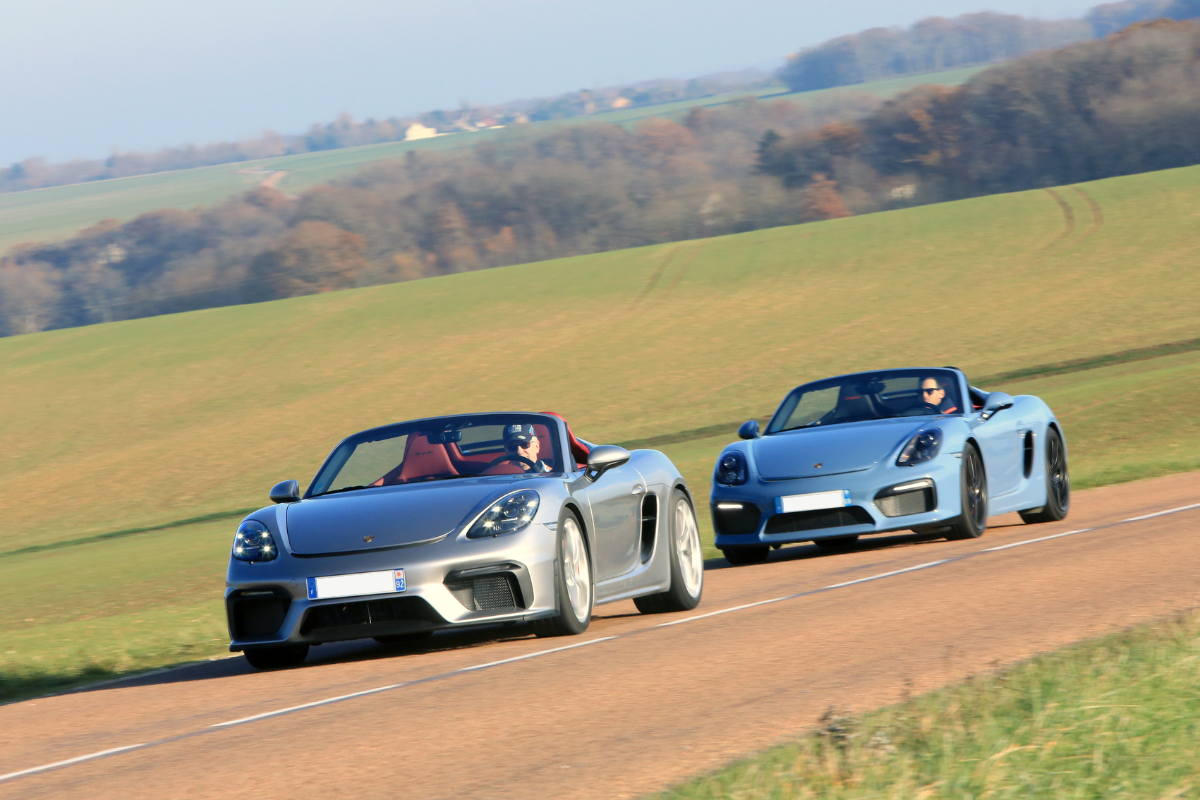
x,y
573,575
687,562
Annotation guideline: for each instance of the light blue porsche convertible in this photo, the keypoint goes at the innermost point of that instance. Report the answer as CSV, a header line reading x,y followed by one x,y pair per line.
x,y
898,449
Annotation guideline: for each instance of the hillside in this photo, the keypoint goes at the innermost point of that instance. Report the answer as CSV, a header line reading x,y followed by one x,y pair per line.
x,y
153,420
59,212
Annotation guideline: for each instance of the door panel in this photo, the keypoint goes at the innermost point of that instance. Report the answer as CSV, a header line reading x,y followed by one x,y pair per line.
x,y
616,500
1000,441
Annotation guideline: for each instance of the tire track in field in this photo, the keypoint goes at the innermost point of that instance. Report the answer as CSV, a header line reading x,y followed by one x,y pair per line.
x,y
658,273
1068,220
683,268
1094,207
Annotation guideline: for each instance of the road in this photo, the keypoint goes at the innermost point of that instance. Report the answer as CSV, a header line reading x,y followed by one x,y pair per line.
x,y
637,703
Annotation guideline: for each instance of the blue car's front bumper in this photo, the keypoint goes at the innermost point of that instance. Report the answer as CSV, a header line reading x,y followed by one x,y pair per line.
x,y
738,526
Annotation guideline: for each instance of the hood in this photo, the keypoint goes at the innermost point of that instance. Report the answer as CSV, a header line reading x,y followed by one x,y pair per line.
x,y
839,448
394,516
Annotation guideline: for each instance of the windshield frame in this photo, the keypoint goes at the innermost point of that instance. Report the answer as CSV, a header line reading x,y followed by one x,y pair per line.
x,y
342,452
781,415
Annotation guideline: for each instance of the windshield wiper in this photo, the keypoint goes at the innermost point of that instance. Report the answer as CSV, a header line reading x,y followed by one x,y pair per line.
x,y
339,491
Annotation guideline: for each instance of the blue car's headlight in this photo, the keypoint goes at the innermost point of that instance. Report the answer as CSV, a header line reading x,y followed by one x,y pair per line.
x,y
731,469
507,515
254,542
920,448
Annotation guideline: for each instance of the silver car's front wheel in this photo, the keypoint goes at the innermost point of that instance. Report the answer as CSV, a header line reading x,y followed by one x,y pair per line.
x,y
576,571
687,562
573,576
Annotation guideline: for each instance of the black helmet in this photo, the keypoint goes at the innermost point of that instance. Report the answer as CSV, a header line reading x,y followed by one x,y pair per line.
x,y
518,435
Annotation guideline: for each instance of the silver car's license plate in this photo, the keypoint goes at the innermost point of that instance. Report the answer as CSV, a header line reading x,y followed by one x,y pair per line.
x,y
356,585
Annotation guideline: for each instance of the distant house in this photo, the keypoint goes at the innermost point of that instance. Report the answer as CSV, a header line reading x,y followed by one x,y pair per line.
x,y
622,102
419,131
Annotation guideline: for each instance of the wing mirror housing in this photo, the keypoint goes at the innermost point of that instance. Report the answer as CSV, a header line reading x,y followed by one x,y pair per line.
x,y
749,430
604,457
994,403
285,492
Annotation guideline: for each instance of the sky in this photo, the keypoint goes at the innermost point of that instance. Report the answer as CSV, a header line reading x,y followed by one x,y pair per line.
x,y
82,79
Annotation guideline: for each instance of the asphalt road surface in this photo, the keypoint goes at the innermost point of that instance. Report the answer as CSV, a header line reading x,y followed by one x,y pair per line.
x,y
637,703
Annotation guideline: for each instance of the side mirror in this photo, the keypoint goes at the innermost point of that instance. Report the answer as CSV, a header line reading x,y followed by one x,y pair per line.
x,y
995,402
285,492
749,430
603,458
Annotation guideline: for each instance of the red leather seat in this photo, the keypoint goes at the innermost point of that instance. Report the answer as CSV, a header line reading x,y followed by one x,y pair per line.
x,y
422,459
579,450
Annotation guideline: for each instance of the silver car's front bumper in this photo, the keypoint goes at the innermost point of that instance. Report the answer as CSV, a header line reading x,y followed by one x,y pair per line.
x,y
450,583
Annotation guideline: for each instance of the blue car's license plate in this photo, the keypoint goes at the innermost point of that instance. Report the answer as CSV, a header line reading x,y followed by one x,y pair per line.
x,y
812,502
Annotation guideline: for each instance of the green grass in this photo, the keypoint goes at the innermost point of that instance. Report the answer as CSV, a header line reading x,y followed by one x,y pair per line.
x,y
126,429
1117,717
60,211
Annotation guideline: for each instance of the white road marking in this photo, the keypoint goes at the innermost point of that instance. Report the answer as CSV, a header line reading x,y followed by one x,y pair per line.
x,y
75,760
926,565
1032,541
535,655
724,611
313,704
1161,513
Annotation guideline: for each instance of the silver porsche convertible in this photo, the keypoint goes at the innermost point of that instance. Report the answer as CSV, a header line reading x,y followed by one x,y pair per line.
x,y
460,521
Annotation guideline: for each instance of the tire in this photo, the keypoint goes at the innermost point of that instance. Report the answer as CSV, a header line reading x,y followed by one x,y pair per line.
x,y
573,575
687,562
1058,483
842,544
276,657
745,556
973,487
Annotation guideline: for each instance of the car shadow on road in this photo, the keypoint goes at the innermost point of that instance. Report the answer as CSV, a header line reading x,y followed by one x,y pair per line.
x,y
803,552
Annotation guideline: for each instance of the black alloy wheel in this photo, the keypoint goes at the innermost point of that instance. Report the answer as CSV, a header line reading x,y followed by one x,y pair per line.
x,y
745,556
842,544
973,481
1058,483
276,656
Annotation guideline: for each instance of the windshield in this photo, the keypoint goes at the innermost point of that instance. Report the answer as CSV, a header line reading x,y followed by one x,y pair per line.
x,y
867,396
442,449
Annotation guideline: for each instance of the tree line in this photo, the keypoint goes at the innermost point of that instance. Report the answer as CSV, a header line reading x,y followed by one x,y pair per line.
x,y
1100,108
937,44
578,189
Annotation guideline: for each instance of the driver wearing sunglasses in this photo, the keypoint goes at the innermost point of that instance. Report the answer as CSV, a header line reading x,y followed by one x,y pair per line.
x,y
934,394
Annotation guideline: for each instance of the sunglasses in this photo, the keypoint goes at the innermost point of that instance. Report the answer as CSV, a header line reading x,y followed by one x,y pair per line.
x,y
931,391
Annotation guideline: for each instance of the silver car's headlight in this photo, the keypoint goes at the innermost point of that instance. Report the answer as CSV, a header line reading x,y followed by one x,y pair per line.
x,y
920,448
254,542
507,515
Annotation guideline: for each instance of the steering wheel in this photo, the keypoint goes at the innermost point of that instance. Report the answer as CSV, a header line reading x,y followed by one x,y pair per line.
x,y
516,459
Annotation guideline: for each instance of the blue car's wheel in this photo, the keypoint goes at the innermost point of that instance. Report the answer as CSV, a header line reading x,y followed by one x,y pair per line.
x,y
1058,483
973,484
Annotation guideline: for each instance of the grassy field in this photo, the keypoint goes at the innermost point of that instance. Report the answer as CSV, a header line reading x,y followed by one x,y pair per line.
x,y
147,422
60,211
1118,717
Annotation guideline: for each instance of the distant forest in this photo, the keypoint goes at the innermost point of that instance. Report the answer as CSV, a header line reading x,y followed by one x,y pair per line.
x,y
1124,104
937,44
931,45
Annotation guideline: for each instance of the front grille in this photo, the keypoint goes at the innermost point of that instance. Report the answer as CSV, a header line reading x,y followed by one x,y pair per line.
x,y
905,503
497,592
737,521
394,612
799,521
253,616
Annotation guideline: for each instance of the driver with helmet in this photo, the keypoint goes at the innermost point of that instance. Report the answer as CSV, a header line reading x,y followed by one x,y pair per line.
x,y
522,446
